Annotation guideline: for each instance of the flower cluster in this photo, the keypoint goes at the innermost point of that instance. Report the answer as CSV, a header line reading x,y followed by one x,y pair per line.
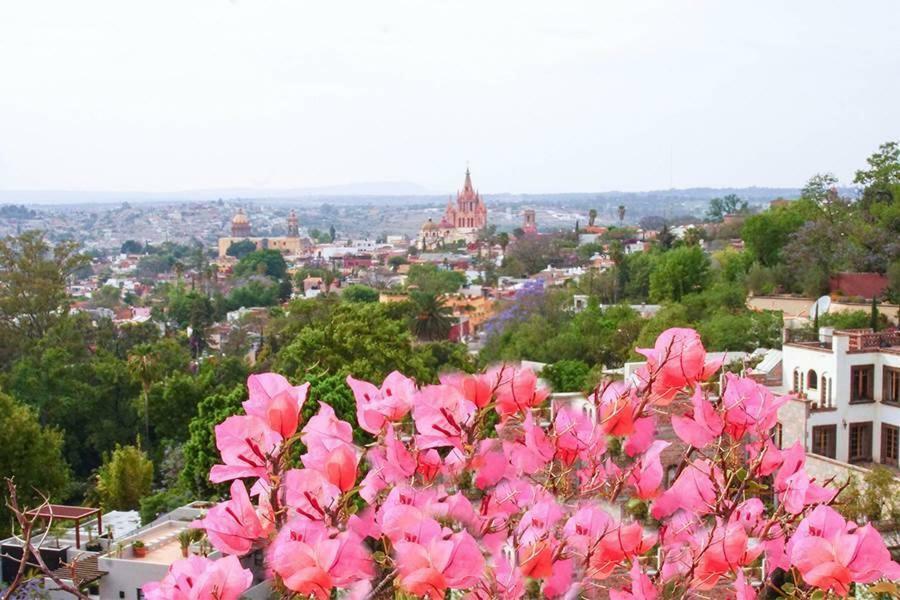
x,y
473,485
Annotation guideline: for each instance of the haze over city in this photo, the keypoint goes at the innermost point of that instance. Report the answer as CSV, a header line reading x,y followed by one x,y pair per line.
x,y
538,96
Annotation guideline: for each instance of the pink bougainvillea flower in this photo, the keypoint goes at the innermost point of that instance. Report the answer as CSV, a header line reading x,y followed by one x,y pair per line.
x,y
641,587
233,526
442,415
375,407
559,584
742,589
641,437
616,545
702,426
438,560
246,443
830,553
694,490
616,407
677,360
585,527
274,400
310,493
536,560
338,465
793,486
517,389
199,578
390,463
477,389
312,561
647,473
726,552
749,407
575,435
532,451
490,464
325,431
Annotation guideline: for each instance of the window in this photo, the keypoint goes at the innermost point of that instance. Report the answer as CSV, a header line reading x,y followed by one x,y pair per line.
x,y
812,380
860,442
890,445
824,439
862,380
796,387
777,435
891,388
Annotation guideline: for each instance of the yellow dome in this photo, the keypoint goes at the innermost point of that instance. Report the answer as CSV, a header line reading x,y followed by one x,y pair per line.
x,y
429,225
240,218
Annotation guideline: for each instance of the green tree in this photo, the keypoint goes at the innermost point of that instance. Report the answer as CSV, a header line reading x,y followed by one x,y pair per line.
x,y
262,262
257,292
766,233
730,204
124,478
360,293
131,247
107,296
428,278
200,452
433,319
32,456
33,288
567,375
881,178
241,249
679,272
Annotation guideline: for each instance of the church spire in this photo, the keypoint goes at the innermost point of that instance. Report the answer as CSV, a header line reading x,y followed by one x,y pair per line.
x,y
467,186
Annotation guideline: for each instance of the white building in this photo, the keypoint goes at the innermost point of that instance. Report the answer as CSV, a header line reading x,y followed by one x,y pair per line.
x,y
848,387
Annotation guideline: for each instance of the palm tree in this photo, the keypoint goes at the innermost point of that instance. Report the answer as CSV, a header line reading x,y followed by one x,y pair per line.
x,y
592,216
503,240
433,318
143,366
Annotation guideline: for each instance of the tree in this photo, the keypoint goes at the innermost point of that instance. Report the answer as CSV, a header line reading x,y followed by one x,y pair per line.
x,y
621,213
124,478
665,238
395,261
730,204
679,272
503,240
567,375
241,249
766,233
360,293
32,287
433,319
428,278
200,452
881,179
332,234
131,247
592,216
107,296
262,262
32,455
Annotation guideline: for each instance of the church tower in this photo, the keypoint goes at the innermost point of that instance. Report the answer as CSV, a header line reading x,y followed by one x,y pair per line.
x,y
293,227
240,225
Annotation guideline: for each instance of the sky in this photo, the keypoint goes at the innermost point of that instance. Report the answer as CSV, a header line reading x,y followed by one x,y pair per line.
x,y
536,96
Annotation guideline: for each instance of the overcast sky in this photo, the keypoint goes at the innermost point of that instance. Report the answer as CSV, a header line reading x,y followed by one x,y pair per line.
x,y
543,96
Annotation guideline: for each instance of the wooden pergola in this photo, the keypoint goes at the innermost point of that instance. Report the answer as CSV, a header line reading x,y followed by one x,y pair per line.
x,y
62,512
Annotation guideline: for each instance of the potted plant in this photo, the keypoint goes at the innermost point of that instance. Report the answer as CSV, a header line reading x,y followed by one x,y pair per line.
x,y
138,549
186,538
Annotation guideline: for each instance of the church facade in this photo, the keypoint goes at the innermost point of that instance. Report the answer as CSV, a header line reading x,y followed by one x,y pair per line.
x,y
463,218
241,230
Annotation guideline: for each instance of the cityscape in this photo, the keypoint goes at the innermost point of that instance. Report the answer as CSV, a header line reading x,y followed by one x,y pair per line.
x,y
466,379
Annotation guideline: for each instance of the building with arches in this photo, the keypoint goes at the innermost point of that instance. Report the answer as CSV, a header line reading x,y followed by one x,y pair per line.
x,y
241,230
847,388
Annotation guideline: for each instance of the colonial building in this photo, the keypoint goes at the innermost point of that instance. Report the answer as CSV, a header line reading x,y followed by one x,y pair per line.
x,y
461,221
529,221
241,230
847,386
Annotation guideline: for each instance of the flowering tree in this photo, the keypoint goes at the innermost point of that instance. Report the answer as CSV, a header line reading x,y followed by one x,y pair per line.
x,y
448,498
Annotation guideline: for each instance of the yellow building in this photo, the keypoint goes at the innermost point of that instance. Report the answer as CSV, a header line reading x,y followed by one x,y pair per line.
x,y
292,243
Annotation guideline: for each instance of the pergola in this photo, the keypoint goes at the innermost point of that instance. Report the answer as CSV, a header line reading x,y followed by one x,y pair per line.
x,y
69,513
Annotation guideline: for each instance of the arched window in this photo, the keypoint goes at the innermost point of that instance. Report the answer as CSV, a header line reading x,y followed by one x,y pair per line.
x,y
812,380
